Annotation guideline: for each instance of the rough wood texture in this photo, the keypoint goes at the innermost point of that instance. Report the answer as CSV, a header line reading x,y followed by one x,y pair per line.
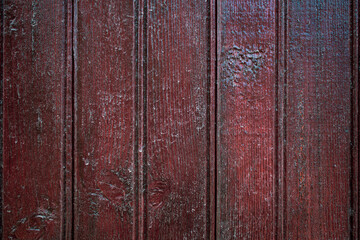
x,y
33,77
177,120
246,120
318,118
181,119
104,119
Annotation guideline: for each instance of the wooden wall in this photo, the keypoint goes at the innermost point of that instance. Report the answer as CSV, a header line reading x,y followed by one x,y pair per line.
x,y
183,119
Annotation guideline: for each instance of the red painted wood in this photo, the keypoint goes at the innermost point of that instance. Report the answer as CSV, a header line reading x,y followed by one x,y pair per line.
x,y
151,119
104,120
177,120
318,134
246,120
33,77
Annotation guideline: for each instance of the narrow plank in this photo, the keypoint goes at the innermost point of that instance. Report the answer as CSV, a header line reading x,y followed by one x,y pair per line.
x,y
246,120
105,203
318,120
33,78
177,120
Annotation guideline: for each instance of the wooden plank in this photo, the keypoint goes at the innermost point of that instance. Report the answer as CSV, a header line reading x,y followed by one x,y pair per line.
x,y
104,119
318,161
33,84
246,119
177,120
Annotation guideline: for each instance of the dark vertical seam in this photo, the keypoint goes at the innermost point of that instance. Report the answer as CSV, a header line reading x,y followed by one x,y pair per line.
x,y
136,140
73,112
284,162
2,6
351,176
276,128
63,130
216,119
145,116
357,113
352,182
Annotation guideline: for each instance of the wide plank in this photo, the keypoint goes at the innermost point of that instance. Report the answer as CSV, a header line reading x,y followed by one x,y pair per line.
x,y
318,120
245,127
176,119
33,93
104,59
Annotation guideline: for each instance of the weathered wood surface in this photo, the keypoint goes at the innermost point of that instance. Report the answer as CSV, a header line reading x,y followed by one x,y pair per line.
x,y
317,105
203,119
246,120
176,117
33,75
104,119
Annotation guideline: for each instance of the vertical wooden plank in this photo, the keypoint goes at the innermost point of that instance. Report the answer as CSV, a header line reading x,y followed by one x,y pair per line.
x,y
318,120
177,120
104,119
33,77
246,120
